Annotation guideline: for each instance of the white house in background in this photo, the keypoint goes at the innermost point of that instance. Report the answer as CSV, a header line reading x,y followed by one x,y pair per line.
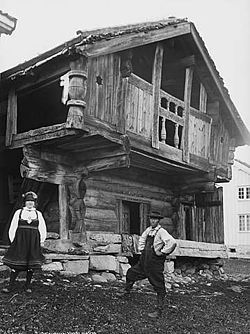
x,y
237,211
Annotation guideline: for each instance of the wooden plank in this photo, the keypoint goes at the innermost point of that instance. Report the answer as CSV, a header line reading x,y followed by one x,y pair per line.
x,y
171,116
132,40
187,100
63,208
203,99
109,163
156,80
140,83
11,126
197,114
42,134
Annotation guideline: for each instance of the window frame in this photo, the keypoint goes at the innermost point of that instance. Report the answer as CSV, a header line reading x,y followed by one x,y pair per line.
x,y
244,223
243,193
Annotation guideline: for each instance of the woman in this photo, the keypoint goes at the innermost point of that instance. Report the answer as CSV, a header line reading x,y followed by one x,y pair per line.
x,y
27,232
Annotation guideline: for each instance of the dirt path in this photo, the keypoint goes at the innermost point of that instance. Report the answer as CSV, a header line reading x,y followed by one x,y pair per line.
x,y
60,305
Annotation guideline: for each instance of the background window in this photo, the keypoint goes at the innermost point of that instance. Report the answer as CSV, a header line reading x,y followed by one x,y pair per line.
x,y
244,223
241,193
247,192
241,223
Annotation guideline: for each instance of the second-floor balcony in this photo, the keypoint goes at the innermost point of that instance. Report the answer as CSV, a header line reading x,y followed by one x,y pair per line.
x,y
138,99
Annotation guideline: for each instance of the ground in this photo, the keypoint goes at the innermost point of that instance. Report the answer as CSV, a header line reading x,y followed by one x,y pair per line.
x,y
74,305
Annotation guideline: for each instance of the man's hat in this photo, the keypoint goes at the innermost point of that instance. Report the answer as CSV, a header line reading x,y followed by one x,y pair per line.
x,y
29,196
155,214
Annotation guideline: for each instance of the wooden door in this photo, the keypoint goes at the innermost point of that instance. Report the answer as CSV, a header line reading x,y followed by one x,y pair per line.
x,y
209,216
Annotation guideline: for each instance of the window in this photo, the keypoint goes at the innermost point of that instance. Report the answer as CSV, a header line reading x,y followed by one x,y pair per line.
x,y
244,223
244,192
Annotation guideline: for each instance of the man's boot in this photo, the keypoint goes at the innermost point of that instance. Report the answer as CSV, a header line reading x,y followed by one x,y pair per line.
x,y
29,275
160,303
126,292
13,276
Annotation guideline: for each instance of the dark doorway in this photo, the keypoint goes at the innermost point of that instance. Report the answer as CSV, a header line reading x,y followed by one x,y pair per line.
x,y
131,217
188,222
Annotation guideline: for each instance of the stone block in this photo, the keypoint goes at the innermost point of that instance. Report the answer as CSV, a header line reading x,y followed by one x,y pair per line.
x,y
4,267
78,267
108,249
105,238
109,276
52,235
53,266
190,271
103,263
58,246
122,259
123,268
99,278
169,267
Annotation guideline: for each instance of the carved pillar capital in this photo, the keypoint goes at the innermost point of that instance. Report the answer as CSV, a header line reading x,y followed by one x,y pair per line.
x,y
77,81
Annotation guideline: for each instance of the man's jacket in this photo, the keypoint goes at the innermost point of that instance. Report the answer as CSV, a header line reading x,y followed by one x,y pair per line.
x,y
164,243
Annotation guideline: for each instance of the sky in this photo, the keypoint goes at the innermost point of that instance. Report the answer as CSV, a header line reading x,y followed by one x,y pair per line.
x,y
224,25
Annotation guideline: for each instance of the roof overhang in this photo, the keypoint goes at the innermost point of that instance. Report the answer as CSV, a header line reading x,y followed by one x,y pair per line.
x,y
104,41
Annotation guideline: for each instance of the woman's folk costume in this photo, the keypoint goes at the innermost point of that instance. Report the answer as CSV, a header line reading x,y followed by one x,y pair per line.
x,y
27,231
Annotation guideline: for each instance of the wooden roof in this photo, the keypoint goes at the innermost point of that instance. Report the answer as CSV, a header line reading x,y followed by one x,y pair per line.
x,y
115,39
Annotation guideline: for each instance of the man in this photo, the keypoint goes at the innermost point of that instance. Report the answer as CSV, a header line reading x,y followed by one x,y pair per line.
x,y
155,244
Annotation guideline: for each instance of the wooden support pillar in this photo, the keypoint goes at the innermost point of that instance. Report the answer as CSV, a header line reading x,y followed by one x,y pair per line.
x,y
63,211
156,81
187,101
11,126
124,72
76,188
77,92
203,99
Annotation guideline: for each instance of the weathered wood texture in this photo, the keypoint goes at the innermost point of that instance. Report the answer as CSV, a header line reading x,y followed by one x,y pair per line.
x,y
199,134
209,217
102,91
104,194
156,81
220,143
187,100
11,127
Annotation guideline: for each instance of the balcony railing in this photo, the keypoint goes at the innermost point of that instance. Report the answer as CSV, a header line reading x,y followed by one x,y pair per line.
x,y
139,118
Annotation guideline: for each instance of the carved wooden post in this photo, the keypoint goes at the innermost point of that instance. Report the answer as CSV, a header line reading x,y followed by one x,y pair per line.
x,y
125,71
163,134
156,80
76,190
77,93
187,100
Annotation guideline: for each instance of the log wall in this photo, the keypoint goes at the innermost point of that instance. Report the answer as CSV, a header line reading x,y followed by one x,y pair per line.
x,y
103,196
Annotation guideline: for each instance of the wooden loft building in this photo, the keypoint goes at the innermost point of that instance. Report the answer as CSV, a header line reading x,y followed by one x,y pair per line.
x,y
118,122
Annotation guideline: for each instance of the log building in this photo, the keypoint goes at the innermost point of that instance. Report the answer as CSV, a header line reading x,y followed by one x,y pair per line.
x,y
117,122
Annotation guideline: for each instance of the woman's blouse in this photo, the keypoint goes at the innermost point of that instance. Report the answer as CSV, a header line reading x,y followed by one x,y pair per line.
x,y
28,215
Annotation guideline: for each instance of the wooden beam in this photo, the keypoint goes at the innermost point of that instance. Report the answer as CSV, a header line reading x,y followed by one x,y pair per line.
x,y
42,134
11,126
187,100
36,168
63,208
135,39
108,163
156,80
